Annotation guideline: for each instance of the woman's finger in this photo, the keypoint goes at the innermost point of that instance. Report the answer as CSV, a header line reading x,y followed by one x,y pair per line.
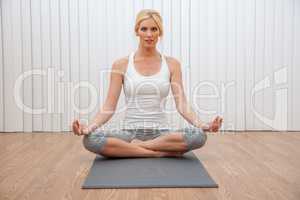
x,y
78,127
78,124
75,128
85,131
215,120
73,125
81,126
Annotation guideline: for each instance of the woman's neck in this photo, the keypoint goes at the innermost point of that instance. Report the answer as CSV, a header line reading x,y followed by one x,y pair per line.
x,y
147,52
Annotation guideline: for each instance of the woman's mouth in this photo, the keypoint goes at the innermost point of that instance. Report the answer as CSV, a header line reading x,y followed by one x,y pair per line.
x,y
149,41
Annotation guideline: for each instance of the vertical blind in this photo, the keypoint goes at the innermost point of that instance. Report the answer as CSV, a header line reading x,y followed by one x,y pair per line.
x,y
239,59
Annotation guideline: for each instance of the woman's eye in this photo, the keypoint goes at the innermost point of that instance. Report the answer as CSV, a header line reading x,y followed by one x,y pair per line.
x,y
154,29
143,29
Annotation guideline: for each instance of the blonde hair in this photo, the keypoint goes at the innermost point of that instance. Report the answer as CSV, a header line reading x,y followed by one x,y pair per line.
x,y
147,14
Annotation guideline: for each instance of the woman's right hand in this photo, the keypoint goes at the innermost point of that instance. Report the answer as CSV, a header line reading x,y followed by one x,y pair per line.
x,y
80,129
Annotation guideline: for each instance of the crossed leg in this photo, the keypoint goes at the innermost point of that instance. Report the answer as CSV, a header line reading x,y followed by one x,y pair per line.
x,y
118,148
171,144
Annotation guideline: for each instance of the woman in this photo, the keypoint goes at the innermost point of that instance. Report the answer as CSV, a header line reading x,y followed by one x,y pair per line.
x,y
146,76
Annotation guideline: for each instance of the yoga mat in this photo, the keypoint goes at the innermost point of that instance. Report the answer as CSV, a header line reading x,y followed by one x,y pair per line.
x,y
166,172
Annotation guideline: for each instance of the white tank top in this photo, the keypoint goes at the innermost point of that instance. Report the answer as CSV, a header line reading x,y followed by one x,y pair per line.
x,y
146,97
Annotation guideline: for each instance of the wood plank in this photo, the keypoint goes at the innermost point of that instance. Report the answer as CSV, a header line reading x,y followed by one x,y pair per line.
x,y
12,149
241,158
256,165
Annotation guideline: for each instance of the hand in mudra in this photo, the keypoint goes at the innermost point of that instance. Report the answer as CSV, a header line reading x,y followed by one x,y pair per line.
x,y
80,129
215,125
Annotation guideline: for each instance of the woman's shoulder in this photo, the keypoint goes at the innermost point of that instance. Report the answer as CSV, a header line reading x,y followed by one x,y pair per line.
x,y
173,63
120,64
171,60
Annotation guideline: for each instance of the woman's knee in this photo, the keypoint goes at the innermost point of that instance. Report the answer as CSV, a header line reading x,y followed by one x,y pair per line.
x,y
195,138
94,142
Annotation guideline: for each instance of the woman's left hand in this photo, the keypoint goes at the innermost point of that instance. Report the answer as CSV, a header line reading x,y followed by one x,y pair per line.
x,y
215,125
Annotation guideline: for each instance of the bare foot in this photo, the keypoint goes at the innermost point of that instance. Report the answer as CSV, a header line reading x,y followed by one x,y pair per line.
x,y
140,143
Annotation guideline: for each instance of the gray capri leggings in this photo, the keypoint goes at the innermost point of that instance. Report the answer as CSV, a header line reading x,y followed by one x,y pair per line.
x,y
95,141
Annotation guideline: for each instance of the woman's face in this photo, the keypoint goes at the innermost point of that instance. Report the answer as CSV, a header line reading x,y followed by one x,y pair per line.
x,y
148,33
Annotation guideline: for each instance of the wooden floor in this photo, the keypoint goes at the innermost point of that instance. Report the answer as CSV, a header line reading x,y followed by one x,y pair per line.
x,y
254,165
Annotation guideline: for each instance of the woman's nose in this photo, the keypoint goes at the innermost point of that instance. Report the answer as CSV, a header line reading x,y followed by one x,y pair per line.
x,y
149,33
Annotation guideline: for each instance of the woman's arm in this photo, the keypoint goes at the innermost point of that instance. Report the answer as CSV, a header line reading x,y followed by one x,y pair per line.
x,y
107,110
182,106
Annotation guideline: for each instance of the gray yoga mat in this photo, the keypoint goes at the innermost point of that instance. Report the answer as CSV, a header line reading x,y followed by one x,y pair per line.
x,y
186,171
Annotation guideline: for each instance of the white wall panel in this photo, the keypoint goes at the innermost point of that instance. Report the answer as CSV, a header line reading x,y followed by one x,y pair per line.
x,y
267,97
55,63
239,122
238,59
158,5
74,58
12,51
250,61
185,42
47,67
37,63
259,59
231,65
212,68
66,108
84,64
1,75
221,59
295,68
176,28
289,41
113,49
148,4
26,58
199,57
97,44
